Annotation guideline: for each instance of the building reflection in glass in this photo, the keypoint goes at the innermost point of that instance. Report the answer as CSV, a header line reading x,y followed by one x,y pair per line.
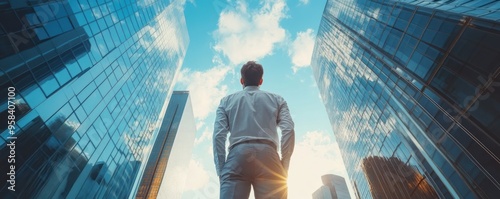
x,y
418,81
92,80
392,178
37,63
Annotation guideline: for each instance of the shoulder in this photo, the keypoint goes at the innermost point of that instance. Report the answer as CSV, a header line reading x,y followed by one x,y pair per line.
x,y
230,96
279,98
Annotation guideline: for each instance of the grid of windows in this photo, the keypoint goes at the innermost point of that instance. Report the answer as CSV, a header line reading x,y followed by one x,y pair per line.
x,y
415,84
486,9
92,79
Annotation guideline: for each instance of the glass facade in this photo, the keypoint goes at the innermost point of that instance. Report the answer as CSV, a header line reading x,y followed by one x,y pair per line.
x,y
412,89
403,180
334,187
92,81
167,167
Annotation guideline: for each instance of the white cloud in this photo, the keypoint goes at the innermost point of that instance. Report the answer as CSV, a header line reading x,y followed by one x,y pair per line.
x,y
244,34
376,13
200,124
302,49
205,89
201,183
211,150
318,154
326,86
206,135
169,24
145,3
97,12
197,178
304,2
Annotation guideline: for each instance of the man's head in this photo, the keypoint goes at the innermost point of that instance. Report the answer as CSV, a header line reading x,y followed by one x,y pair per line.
x,y
251,74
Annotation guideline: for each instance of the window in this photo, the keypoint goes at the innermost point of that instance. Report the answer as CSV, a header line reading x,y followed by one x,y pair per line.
x,y
65,24
453,87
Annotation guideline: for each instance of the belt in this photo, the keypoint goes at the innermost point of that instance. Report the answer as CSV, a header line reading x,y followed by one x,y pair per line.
x,y
268,142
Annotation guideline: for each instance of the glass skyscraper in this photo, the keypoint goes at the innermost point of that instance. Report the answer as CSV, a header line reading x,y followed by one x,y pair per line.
x,y
334,187
167,168
412,90
92,80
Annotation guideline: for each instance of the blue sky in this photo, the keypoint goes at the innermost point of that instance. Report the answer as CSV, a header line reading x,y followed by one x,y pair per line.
x,y
280,35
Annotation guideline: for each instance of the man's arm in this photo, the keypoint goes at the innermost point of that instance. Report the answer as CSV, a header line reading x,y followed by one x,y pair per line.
x,y
221,129
286,125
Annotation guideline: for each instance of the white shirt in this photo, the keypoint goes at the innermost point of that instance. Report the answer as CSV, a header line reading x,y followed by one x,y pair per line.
x,y
252,114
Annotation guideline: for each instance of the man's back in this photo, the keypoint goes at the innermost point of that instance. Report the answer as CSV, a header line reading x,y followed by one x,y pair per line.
x,y
253,114
251,117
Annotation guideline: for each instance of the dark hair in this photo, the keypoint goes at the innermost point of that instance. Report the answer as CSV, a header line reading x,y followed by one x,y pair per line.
x,y
251,72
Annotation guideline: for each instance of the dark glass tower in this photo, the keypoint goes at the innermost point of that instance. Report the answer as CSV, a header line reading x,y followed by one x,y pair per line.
x,y
414,85
92,82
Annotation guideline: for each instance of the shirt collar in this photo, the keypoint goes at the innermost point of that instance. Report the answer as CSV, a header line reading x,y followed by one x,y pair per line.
x,y
251,88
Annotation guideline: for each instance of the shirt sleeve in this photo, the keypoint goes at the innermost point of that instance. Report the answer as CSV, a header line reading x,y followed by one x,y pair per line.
x,y
221,129
286,125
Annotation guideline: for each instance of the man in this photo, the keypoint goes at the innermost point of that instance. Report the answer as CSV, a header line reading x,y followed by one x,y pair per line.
x,y
252,117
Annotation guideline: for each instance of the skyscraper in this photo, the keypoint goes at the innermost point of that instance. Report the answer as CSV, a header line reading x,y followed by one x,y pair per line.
x,y
91,80
417,82
403,180
334,187
166,170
